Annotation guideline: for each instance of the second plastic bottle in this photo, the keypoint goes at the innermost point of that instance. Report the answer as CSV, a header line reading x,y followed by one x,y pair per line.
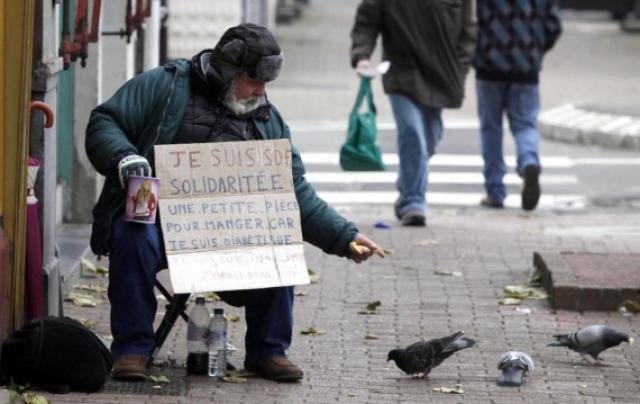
x,y
218,345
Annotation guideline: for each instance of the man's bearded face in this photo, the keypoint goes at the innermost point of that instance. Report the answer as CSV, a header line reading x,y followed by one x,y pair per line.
x,y
244,95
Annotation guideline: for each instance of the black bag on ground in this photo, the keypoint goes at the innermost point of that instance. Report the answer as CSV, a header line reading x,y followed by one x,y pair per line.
x,y
57,354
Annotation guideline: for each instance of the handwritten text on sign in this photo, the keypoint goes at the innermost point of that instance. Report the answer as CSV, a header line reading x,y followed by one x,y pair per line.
x,y
230,218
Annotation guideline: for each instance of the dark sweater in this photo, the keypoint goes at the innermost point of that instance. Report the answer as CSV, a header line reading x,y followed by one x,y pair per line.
x,y
513,36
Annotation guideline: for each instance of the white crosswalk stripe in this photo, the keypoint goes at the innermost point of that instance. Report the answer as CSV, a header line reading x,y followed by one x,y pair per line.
x,y
460,175
567,201
388,177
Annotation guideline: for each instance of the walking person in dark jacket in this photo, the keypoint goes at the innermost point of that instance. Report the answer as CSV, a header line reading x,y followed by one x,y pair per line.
x,y
429,44
218,96
513,36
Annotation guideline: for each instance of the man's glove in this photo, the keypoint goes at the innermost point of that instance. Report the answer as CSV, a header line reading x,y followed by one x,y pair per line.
x,y
132,165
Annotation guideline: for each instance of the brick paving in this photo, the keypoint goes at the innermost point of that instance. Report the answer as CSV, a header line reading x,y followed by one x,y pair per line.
x,y
342,366
489,248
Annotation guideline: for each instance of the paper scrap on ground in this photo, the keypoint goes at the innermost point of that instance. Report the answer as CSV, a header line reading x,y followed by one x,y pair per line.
x,y
230,217
449,390
425,243
448,273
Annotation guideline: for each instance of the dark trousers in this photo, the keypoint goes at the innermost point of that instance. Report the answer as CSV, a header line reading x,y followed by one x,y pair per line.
x,y
137,254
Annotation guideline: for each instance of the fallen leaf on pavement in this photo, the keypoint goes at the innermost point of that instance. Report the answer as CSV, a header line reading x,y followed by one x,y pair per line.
x,y
234,379
300,293
81,300
234,318
211,297
524,292
535,280
93,268
313,277
450,390
86,323
632,305
91,288
240,373
311,331
370,335
371,307
389,251
510,301
32,398
448,273
159,379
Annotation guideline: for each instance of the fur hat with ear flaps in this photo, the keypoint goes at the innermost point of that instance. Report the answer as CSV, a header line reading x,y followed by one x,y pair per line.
x,y
246,48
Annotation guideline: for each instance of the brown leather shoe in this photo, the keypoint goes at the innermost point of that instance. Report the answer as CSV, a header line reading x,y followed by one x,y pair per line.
x,y
129,367
276,368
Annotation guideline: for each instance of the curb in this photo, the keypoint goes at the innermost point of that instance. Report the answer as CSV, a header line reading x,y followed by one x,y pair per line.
x,y
571,124
567,292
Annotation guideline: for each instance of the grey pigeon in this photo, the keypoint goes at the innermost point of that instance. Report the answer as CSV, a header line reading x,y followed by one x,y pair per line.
x,y
419,358
591,340
514,365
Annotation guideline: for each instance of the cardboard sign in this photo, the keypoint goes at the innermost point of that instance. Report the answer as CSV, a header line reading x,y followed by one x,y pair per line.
x,y
229,216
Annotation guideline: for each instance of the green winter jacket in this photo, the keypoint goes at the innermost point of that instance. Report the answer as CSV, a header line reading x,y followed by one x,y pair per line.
x,y
148,110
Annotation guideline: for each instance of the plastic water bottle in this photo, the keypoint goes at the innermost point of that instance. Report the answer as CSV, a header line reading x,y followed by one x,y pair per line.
x,y
218,345
197,330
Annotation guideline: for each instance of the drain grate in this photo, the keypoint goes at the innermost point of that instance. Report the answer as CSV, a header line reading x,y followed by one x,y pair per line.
x,y
177,385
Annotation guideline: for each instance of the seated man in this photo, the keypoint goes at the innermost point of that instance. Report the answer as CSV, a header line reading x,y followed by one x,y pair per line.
x,y
217,96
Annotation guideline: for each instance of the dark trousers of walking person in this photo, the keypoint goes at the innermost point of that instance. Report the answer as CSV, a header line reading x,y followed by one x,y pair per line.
x,y
521,103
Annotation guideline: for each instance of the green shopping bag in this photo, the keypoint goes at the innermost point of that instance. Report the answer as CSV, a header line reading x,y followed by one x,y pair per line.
x,y
361,152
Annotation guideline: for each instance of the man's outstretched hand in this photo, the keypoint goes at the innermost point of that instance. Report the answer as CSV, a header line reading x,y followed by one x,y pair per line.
x,y
362,248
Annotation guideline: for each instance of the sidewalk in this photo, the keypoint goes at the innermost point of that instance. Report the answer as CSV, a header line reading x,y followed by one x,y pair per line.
x,y
490,249
342,366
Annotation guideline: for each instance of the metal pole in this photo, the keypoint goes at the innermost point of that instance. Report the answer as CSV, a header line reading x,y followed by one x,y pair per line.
x,y
152,37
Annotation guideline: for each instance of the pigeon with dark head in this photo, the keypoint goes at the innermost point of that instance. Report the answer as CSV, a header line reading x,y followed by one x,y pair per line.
x,y
591,340
419,358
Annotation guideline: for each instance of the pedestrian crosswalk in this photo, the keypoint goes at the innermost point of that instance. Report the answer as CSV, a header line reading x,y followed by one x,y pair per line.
x,y
454,180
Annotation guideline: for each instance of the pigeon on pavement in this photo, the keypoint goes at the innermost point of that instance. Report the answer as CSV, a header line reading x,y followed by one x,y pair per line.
x,y
514,365
591,340
419,358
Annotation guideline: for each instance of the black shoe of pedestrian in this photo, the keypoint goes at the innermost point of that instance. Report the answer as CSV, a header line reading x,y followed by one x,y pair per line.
x,y
414,218
491,203
531,189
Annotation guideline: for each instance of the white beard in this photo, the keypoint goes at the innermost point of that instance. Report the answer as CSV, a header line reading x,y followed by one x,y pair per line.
x,y
241,107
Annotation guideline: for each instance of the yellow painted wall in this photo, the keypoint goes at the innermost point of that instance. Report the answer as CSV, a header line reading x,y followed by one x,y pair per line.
x,y
2,155
17,26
